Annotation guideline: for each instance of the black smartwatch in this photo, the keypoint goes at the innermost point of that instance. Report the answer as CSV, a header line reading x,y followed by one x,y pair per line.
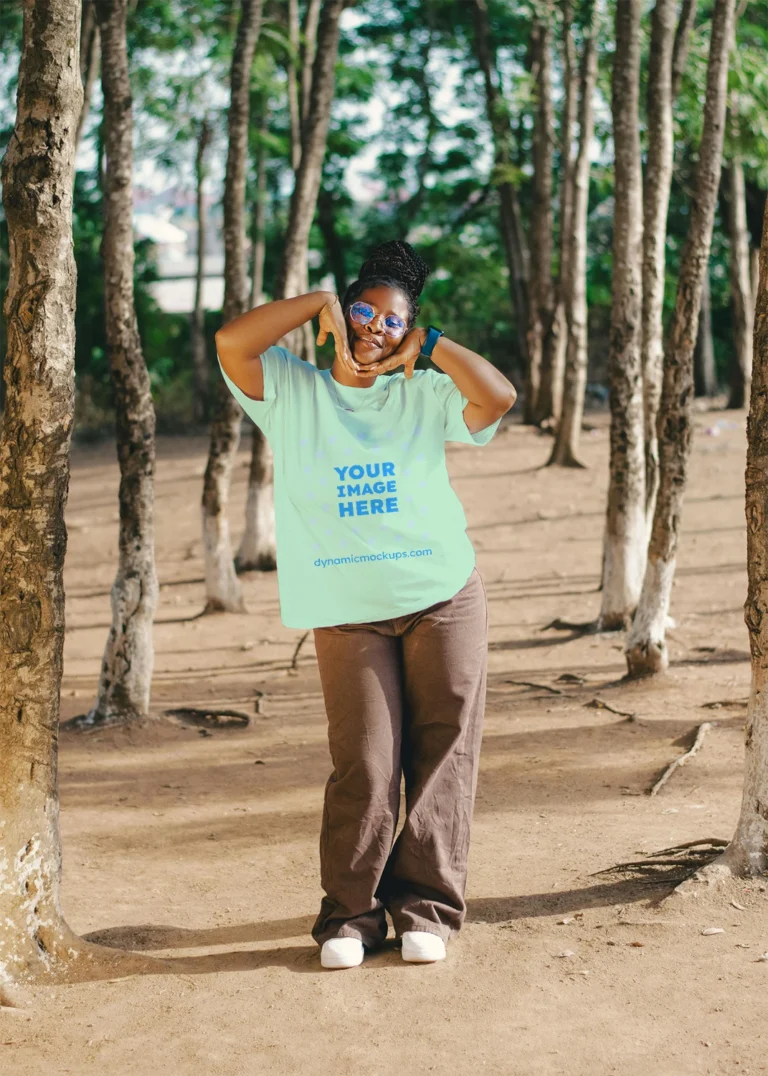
x,y
433,335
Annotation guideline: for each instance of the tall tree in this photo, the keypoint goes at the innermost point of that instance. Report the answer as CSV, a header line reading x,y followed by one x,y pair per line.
x,y
646,648
625,531
553,373
90,58
37,178
222,587
259,212
126,671
704,374
667,48
565,452
257,548
513,235
199,349
740,360
541,312
747,854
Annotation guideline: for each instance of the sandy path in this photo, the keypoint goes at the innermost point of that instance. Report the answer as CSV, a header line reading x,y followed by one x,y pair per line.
x,y
204,848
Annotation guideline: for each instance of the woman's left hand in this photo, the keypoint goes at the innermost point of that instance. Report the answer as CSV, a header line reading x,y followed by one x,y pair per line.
x,y
406,354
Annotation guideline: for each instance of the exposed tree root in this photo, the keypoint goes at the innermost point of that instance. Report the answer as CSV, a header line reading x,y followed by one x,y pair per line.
x,y
541,687
600,704
588,627
215,719
294,667
701,732
671,866
719,704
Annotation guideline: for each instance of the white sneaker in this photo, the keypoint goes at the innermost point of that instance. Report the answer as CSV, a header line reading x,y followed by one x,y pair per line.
x,y
341,953
421,947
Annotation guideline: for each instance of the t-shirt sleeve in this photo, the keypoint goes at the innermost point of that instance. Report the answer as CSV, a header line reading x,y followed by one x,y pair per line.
x,y
453,403
276,368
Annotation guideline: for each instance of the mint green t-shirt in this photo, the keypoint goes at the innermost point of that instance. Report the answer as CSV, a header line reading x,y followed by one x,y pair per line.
x,y
367,524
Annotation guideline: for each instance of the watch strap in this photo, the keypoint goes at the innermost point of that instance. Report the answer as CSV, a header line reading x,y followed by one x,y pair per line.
x,y
433,335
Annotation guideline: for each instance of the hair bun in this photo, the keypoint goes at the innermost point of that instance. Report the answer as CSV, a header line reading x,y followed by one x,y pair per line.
x,y
398,260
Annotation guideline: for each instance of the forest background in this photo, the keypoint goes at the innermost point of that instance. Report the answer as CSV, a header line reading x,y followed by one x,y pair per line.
x,y
409,154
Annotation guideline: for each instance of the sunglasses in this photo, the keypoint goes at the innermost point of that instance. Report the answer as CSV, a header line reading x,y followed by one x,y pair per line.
x,y
362,313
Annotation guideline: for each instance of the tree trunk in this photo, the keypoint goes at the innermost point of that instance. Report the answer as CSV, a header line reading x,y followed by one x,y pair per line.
x,y
566,449
625,531
646,648
326,219
704,376
308,52
512,232
291,277
126,670
199,349
656,190
90,58
257,547
541,338
567,124
741,288
259,213
293,89
34,475
747,854
222,587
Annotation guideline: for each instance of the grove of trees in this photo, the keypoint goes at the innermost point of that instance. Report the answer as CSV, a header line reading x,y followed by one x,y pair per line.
x,y
587,179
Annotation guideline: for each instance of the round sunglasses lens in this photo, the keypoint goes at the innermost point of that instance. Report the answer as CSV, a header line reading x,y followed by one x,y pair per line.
x,y
361,313
394,326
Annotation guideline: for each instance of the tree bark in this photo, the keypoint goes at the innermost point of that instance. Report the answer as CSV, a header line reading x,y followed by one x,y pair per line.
x,y
199,350
37,179
741,288
646,649
222,587
258,219
90,58
304,197
541,338
574,283
567,164
257,547
126,671
656,190
747,854
625,532
704,376
326,219
307,53
512,233
293,89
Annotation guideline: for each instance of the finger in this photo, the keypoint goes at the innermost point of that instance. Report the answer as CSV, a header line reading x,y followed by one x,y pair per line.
x,y
322,336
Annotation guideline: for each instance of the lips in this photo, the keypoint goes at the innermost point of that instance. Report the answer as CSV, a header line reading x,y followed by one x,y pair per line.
x,y
370,344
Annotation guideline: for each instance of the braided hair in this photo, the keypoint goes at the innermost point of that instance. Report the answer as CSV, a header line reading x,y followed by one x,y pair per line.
x,y
396,265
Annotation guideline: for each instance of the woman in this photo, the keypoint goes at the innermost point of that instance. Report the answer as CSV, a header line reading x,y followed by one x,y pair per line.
x,y
373,554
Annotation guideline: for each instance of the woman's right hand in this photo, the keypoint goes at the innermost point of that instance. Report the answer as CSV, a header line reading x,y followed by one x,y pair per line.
x,y
332,321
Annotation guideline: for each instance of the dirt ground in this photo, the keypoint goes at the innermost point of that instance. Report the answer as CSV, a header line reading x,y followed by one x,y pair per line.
x,y
203,848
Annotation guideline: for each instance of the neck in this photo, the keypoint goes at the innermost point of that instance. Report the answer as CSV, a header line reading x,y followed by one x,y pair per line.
x,y
344,377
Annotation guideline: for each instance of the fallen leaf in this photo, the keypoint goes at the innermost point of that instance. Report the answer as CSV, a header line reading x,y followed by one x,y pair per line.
x,y
736,904
708,931
566,953
565,921
637,945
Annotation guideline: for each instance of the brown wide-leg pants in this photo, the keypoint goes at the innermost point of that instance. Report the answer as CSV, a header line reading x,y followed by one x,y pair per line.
x,y
404,695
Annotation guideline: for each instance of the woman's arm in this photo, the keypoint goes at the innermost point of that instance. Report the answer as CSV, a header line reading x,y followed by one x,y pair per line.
x,y
242,341
488,391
